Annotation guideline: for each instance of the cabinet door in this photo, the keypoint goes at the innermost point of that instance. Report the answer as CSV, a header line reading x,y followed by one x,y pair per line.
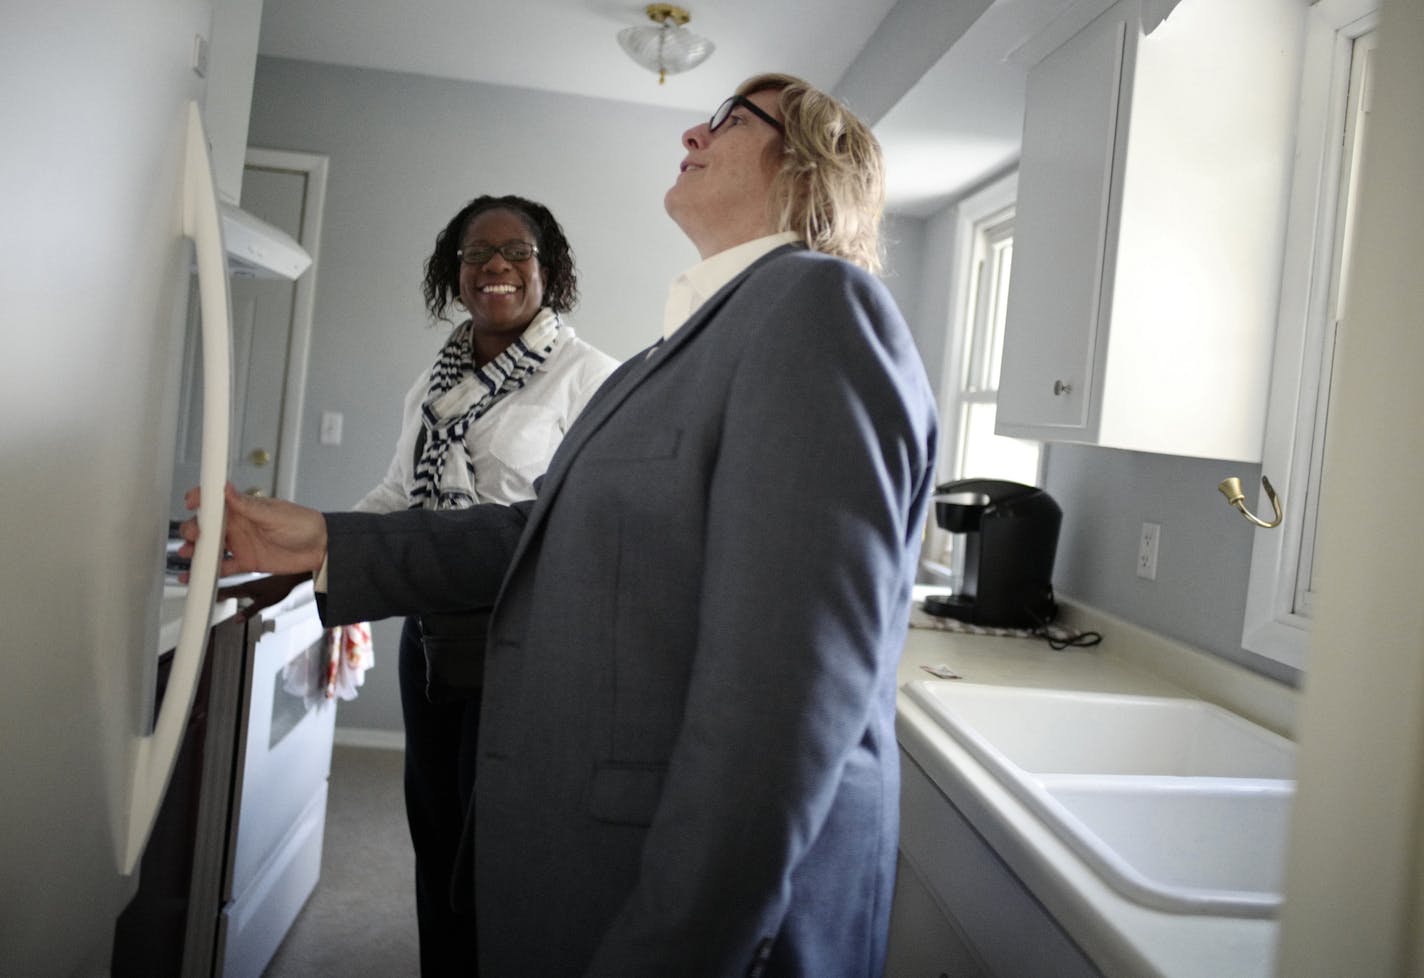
x,y
994,913
924,942
1061,233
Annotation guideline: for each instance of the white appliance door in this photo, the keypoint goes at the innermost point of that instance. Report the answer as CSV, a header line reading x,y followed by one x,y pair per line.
x,y
94,266
278,816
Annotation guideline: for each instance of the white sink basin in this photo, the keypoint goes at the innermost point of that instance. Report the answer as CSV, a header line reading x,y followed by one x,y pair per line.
x,y
1050,731
1214,848
1177,804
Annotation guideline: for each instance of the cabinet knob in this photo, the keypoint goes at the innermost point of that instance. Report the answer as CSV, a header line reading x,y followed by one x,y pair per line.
x,y
1060,388
256,491
259,457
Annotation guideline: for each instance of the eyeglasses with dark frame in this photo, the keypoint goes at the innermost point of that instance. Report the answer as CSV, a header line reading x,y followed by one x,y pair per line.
x,y
511,250
724,112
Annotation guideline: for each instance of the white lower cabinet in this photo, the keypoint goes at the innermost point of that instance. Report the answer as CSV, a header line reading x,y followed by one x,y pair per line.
x,y
960,912
924,942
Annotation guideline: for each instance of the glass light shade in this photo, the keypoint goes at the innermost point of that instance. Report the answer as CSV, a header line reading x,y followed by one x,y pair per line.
x,y
668,49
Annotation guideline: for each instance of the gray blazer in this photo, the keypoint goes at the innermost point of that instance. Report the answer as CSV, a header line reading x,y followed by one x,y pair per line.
x,y
688,763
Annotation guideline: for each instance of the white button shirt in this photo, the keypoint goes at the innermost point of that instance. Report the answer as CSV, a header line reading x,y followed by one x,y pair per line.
x,y
700,282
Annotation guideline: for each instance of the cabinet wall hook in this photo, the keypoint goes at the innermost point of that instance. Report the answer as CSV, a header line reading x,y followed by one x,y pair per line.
x,y
1231,489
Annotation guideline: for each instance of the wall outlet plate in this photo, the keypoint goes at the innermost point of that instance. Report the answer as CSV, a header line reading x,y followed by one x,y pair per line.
x,y
1147,550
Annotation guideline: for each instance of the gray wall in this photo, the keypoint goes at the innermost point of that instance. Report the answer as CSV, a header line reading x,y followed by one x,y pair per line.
x,y
405,153
928,313
903,273
1204,558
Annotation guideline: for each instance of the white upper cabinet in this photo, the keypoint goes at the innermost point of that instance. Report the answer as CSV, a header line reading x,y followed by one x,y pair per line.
x,y
1152,203
231,67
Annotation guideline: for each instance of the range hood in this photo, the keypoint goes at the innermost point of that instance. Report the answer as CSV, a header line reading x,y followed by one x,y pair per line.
x,y
260,250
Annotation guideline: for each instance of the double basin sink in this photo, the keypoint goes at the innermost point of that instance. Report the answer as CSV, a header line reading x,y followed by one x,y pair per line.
x,y
1177,804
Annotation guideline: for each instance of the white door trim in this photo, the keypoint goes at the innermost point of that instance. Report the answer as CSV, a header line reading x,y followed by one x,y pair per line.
x,y
303,303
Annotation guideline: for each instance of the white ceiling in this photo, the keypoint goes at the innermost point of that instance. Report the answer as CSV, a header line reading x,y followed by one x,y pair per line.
x,y
963,121
960,123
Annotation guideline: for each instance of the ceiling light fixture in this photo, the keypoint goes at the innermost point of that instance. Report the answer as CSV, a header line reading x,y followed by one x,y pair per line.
x,y
668,48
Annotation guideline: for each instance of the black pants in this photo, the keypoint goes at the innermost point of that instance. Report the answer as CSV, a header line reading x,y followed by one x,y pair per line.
x,y
440,741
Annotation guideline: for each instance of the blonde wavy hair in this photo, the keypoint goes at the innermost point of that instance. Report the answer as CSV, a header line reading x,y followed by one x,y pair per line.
x,y
830,185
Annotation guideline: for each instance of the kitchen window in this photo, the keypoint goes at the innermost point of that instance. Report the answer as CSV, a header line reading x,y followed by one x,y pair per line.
x,y
1334,112
979,293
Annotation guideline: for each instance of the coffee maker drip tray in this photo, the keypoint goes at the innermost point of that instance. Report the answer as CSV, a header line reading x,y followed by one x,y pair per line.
x,y
949,606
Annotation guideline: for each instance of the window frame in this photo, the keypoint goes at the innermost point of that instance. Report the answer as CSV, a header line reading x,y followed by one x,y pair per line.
x,y
992,205
971,212
1305,323
979,333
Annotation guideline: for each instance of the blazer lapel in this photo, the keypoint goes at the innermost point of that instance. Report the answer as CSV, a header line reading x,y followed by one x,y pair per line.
x,y
643,364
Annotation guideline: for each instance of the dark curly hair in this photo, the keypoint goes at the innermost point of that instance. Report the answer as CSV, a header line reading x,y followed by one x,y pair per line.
x,y
556,257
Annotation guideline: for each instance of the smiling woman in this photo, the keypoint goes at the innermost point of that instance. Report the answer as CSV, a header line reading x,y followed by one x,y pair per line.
x,y
501,282
478,426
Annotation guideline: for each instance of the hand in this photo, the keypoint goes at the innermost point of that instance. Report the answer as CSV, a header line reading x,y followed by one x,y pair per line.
x,y
261,593
269,535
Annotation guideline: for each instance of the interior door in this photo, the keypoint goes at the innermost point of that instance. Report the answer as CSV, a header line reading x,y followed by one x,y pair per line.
x,y
262,328
263,311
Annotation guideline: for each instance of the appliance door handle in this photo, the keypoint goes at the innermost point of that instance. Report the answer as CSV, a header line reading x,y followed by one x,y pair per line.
x,y
154,753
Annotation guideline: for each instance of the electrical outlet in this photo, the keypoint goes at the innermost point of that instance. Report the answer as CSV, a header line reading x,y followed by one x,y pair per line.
x,y
1147,550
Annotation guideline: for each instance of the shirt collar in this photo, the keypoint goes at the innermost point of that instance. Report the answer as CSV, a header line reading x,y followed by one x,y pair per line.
x,y
700,282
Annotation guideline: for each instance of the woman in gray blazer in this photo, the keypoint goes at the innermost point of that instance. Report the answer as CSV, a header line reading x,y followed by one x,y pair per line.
x,y
687,758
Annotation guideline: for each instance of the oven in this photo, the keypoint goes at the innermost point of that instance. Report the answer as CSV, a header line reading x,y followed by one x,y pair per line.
x,y
277,812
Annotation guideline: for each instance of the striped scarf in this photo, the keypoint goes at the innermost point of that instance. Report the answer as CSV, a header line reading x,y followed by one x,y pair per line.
x,y
459,394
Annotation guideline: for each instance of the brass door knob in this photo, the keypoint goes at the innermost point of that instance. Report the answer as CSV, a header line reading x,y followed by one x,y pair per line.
x,y
259,457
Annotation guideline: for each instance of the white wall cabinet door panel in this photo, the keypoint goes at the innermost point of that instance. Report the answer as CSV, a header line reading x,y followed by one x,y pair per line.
x,y
1151,230
1061,232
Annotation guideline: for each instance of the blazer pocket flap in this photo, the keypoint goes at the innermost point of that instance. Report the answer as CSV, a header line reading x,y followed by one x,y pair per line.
x,y
626,794
454,655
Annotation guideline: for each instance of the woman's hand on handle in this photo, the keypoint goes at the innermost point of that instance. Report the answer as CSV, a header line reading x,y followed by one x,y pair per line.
x,y
269,535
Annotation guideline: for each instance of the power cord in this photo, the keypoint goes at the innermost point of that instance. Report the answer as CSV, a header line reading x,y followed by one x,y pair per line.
x,y
1060,637
1067,638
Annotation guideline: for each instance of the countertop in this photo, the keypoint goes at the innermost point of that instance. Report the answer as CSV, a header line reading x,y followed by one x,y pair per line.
x,y
1123,938
170,614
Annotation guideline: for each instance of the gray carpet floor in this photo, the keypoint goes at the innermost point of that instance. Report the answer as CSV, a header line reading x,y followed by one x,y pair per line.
x,y
360,920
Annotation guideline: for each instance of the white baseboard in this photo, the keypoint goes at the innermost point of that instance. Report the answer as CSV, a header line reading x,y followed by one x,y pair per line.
x,y
362,737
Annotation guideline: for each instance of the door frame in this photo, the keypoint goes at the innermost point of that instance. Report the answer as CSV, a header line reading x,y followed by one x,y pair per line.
x,y
314,167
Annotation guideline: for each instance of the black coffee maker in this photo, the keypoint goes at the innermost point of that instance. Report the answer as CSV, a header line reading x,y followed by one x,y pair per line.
x,y
1010,539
